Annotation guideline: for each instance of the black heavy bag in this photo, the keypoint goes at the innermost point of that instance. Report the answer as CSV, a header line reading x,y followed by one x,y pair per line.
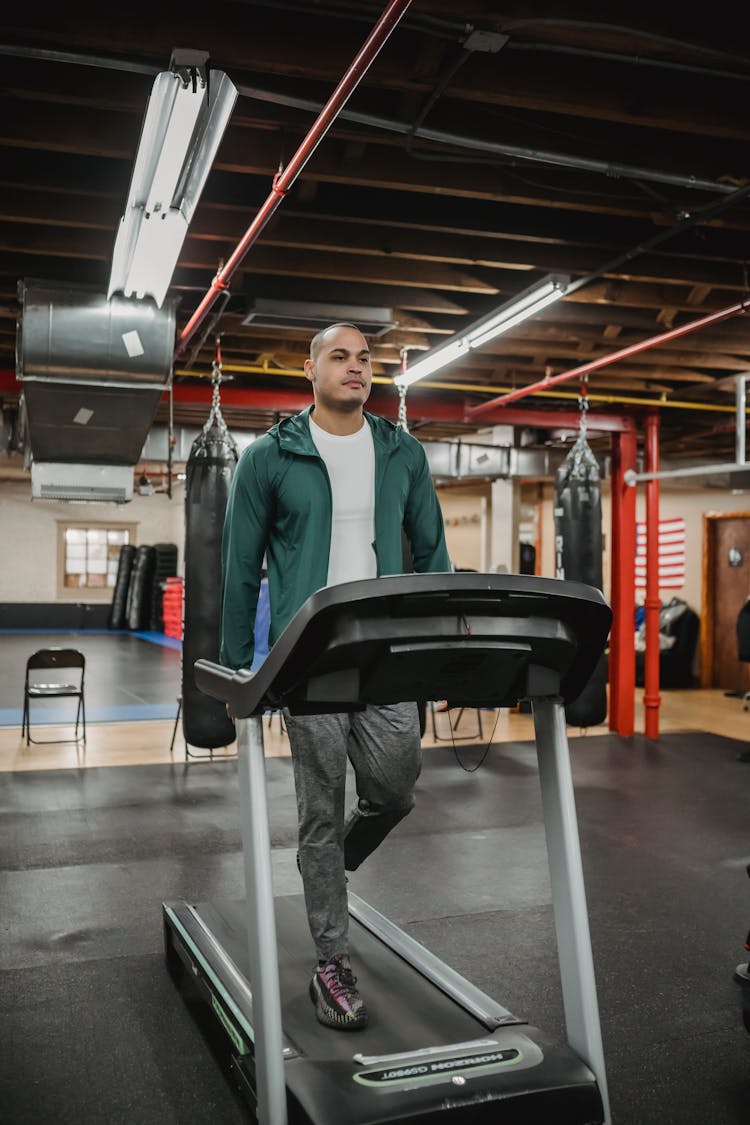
x,y
120,592
578,551
209,471
743,633
139,589
527,559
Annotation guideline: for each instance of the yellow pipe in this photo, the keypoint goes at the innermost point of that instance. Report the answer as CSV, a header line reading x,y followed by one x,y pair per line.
x,y
482,388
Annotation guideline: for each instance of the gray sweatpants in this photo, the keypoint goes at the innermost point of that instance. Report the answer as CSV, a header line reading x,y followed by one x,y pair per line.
x,y
383,746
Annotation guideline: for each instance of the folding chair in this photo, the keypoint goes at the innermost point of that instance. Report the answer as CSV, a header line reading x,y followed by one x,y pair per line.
x,y
454,725
53,662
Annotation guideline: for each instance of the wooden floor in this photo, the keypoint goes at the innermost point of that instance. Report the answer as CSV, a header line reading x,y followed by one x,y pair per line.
x,y
140,743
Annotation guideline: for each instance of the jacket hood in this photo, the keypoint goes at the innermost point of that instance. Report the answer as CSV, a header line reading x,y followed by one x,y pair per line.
x,y
293,434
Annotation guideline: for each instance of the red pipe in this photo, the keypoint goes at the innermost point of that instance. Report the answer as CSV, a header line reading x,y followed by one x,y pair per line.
x,y
622,583
9,384
283,181
381,402
604,361
651,697
424,408
547,419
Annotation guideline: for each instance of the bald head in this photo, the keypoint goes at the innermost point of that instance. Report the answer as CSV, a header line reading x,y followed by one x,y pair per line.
x,y
319,340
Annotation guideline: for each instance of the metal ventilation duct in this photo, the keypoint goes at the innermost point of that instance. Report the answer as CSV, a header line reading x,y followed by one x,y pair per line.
x,y
93,371
457,460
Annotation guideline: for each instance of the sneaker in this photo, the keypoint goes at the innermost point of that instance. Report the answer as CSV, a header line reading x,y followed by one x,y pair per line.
x,y
332,991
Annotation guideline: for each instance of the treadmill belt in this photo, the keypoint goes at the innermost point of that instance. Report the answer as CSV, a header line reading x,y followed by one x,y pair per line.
x,y
406,1011
423,1051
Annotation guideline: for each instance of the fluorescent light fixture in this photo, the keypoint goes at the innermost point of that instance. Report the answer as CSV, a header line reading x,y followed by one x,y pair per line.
x,y
433,361
186,116
525,305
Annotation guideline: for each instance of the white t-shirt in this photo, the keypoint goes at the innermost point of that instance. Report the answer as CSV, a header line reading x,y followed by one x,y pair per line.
x,y
350,461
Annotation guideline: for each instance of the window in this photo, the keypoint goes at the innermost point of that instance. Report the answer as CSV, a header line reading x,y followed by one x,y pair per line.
x,y
89,555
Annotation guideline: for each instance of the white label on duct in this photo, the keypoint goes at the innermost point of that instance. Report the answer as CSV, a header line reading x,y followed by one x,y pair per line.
x,y
83,416
132,342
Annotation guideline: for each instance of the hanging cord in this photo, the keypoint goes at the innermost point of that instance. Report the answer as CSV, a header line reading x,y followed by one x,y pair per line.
x,y
470,769
402,420
473,769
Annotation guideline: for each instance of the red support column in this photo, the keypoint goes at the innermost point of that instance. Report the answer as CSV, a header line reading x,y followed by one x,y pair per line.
x,y
622,636
651,697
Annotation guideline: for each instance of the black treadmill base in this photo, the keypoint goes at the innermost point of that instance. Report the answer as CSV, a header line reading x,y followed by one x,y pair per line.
x,y
512,1075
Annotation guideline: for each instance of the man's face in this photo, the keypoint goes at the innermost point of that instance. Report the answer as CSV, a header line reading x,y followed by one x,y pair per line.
x,y
341,374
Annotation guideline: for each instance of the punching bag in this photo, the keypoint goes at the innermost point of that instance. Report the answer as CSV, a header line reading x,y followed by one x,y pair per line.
x,y
578,551
122,582
209,471
137,607
743,633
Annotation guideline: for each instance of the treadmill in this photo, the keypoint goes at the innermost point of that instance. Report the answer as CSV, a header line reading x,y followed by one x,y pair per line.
x,y
454,1055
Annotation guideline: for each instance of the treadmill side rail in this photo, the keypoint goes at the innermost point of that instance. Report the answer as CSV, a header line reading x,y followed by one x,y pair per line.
x,y
482,1007
209,958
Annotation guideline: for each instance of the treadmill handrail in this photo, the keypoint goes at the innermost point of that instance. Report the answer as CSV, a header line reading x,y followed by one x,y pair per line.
x,y
417,598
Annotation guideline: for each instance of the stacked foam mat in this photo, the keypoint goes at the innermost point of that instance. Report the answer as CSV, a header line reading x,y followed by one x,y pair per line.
x,y
165,566
172,607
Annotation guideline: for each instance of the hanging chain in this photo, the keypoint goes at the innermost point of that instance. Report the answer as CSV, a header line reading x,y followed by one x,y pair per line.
x,y
215,417
402,420
583,405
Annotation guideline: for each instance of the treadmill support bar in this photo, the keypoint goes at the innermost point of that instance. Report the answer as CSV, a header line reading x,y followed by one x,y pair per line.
x,y
568,893
261,924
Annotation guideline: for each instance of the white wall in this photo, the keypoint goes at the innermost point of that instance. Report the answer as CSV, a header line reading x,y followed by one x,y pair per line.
x,y
28,536
28,532
465,518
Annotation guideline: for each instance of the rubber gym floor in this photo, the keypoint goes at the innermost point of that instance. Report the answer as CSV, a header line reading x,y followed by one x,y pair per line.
x,y
94,1030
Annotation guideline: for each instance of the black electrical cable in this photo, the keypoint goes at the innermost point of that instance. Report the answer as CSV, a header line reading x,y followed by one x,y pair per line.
x,y
473,769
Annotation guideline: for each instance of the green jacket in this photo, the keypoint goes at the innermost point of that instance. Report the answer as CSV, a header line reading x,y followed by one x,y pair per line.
x,y
280,506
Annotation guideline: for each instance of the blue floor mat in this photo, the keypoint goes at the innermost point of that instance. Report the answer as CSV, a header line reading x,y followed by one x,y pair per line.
x,y
129,676
126,713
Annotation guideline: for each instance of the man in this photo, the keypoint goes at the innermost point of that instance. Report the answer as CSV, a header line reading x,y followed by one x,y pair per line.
x,y
325,497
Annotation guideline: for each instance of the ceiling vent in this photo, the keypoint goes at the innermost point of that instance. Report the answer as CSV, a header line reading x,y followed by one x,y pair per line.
x,y
52,480
312,316
93,371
